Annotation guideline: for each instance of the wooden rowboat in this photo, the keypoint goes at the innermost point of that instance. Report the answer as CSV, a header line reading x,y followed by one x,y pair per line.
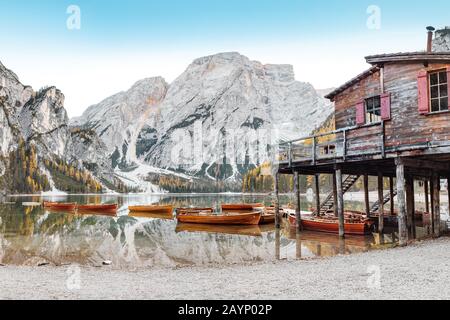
x,y
60,206
102,208
351,227
267,218
193,210
241,206
155,209
251,218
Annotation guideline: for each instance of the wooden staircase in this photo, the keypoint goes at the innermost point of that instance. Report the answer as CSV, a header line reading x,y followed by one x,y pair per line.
x,y
328,203
387,198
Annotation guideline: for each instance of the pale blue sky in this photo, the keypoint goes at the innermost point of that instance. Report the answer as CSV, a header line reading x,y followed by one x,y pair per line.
x,y
121,42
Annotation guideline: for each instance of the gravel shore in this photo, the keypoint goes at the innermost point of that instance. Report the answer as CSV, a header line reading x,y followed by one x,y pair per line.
x,y
420,271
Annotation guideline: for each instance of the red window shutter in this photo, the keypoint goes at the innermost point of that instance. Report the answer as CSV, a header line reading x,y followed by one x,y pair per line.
x,y
386,106
422,83
448,85
360,113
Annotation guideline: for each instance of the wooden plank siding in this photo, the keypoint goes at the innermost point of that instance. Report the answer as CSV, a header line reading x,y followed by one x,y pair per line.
x,y
407,126
345,102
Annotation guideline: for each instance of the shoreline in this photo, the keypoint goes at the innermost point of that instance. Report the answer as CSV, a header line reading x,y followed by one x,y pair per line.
x,y
418,271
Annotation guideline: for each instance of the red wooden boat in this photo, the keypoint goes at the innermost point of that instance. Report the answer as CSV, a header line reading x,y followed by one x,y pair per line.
x,y
102,208
331,225
241,206
60,206
251,218
193,210
267,218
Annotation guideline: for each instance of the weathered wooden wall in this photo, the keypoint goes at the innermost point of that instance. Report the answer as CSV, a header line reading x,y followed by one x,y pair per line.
x,y
345,102
407,126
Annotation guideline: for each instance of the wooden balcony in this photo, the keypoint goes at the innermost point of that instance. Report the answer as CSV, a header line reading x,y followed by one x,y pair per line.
x,y
339,145
357,144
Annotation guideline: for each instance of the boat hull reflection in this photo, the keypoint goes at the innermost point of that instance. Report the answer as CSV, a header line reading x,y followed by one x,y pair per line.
x,y
246,230
152,215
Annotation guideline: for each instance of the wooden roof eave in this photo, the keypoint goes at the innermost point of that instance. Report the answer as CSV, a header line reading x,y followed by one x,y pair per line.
x,y
351,82
409,57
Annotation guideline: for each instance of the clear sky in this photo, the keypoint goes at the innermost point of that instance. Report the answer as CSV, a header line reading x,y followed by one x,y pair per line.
x,y
120,42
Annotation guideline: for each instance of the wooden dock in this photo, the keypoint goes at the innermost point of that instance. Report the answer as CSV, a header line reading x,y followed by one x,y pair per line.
x,y
392,122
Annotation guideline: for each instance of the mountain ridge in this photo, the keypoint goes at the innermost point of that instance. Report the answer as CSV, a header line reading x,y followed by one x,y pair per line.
x,y
221,92
208,127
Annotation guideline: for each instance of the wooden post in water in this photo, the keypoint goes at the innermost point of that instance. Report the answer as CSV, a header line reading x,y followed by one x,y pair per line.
x,y
401,200
366,195
278,244
381,203
410,206
340,197
335,195
391,191
298,216
427,196
432,204
277,202
341,245
437,204
298,247
319,250
317,192
448,193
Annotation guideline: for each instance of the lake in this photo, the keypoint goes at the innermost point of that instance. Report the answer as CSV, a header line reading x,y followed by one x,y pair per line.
x,y
31,235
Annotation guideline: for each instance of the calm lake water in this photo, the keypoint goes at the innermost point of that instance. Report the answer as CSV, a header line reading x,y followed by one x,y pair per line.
x,y
30,235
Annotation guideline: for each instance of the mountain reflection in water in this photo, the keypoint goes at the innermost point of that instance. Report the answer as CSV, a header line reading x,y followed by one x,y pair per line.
x,y
30,233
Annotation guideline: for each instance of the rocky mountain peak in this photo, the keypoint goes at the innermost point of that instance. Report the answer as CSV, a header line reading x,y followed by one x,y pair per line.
x,y
7,74
441,42
234,60
228,92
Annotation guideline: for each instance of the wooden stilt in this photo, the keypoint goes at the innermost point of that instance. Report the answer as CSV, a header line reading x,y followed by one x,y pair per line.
x,y
340,197
317,192
427,196
391,191
380,200
277,202
299,246
278,244
342,246
335,195
432,204
448,193
437,204
319,250
401,200
366,195
298,215
410,207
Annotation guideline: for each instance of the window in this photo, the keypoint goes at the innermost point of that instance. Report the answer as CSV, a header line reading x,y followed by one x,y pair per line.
x,y
328,150
438,91
373,109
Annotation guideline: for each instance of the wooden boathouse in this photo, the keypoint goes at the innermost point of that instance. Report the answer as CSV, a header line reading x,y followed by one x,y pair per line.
x,y
392,121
